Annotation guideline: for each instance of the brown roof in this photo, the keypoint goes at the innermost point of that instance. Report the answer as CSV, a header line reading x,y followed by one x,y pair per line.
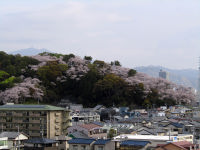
x,y
89,126
182,144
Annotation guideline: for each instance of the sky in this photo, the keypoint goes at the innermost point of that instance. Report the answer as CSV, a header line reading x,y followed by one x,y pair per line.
x,y
135,32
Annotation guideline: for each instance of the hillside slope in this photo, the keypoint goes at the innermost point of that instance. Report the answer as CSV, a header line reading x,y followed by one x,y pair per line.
x,y
50,77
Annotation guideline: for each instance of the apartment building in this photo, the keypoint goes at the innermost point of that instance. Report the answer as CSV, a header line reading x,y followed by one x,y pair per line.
x,y
35,120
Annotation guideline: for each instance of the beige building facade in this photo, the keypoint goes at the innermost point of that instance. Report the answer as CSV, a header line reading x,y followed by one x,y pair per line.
x,y
35,120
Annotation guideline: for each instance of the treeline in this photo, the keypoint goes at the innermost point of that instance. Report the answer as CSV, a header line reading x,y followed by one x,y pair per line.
x,y
12,67
91,89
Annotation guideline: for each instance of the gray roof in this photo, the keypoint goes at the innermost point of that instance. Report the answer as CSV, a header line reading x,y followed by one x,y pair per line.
x,y
40,141
10,135
79,134
29,107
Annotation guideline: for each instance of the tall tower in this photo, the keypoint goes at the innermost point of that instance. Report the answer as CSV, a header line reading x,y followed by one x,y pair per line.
x,y
164,74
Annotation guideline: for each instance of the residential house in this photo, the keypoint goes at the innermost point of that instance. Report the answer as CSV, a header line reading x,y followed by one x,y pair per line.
x,y
134,145
183,145
102,144
40,144
14,139
154,139
81,144
92,130
62,142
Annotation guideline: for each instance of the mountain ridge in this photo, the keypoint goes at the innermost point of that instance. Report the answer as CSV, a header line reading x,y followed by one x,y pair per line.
x,y
185,77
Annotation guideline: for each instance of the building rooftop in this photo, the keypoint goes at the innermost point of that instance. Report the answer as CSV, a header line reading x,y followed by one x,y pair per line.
x,y
81,141
40,141
147,137
101,142
134,143
10,135
29,107
89,126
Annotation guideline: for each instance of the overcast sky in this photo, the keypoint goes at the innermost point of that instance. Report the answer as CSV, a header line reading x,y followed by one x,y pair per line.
x,y
135,32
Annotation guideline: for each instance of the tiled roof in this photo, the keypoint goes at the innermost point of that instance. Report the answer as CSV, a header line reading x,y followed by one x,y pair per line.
x,y
81,141
40,141
29,107
79,134
101,142
98,123
89,126
184,145
134,143
178,125
10,135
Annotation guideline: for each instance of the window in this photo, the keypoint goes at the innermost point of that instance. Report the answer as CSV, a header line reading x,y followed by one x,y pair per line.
x,y
75,147
100,147
83,147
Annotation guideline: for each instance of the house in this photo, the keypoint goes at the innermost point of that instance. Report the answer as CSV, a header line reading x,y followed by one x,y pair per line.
x,y
102,144
14,139
40,144
84,116
154,139
62,142
134,145
175,127
80,144
98,108
183,145
91,130
78,134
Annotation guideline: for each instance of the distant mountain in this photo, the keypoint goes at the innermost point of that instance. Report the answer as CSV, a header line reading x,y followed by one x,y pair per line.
x,y
29,51
186,77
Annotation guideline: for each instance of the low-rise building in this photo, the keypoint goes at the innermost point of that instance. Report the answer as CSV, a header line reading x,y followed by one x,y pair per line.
x,y
40,144
12,140
102,144
91,130
80,144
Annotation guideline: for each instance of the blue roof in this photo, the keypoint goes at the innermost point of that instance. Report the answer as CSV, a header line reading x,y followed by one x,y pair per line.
x,y
134,143
101,142
81,141
178,125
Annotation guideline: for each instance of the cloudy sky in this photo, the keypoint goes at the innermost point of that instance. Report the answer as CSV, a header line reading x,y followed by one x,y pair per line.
x,y
135,32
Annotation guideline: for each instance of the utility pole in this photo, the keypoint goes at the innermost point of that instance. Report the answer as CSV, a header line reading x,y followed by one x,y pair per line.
x,y
18,138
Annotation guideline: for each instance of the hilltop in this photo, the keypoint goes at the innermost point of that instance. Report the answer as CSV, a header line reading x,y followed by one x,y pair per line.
x,y
49,77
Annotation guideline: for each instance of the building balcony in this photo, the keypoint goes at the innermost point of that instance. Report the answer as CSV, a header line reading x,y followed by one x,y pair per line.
x,y
2,114
35,121
18,114
34,128
34,134
2,120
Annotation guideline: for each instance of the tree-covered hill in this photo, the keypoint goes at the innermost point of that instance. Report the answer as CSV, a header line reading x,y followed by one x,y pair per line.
x,y
49,77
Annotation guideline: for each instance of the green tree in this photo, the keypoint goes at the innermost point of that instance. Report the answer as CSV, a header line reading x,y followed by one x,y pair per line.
x,y
131,72
89,58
